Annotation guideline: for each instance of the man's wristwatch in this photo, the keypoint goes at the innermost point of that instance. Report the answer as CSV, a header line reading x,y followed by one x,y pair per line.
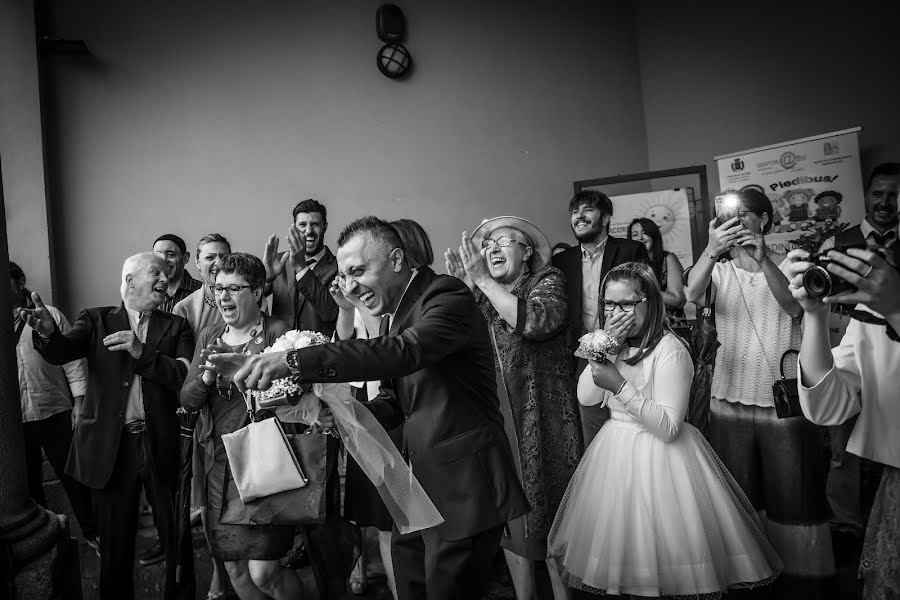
x,y
292,360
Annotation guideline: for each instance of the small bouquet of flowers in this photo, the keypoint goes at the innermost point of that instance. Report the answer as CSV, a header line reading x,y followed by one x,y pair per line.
x,y
286,394
597,345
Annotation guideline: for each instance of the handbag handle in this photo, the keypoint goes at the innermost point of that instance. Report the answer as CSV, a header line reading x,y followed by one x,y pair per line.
x,y
251,405
785,355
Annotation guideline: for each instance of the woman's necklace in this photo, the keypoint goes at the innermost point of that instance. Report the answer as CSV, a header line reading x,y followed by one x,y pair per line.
x,y
209,301
226,392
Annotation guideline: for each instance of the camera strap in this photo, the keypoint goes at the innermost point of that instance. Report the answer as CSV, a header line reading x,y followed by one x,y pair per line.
x,y
870,319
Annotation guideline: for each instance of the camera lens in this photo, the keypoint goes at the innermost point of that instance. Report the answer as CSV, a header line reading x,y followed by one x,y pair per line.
x,y
817,282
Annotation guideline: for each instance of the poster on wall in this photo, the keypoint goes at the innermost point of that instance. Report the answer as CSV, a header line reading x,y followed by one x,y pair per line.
x,y
669,209
814,183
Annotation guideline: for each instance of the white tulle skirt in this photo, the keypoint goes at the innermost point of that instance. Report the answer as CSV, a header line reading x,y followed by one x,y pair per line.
x,y
648,518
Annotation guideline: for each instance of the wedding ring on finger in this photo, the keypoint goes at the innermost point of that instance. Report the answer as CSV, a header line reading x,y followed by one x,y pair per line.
x,y
869,270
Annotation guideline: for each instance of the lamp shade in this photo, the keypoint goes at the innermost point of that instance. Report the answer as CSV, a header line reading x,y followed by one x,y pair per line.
x,y
394,60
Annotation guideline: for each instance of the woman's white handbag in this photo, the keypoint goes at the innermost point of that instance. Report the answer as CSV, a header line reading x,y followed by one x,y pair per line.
x,y
261,460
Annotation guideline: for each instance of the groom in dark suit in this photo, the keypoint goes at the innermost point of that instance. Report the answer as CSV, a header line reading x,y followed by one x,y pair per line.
x,y
437,372
585,266
126,436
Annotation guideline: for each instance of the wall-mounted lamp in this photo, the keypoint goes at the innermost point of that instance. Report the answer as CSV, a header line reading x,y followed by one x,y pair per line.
x,y
394,60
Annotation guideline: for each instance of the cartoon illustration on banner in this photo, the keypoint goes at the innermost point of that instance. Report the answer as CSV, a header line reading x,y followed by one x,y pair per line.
x,y
669,209
815,184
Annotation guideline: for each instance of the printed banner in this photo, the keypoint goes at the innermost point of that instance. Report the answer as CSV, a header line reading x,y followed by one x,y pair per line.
x,y
814,183
669,209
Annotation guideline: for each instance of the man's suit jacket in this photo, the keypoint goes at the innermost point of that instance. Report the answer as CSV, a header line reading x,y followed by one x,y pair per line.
x,y
307,304
96,439
437,367
618,251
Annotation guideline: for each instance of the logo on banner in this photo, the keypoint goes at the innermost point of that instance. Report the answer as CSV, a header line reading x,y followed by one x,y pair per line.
x,y
737,165
789,160
830,148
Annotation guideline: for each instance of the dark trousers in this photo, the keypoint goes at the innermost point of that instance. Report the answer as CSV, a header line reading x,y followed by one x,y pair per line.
x,y
428,567
54,436
844,482
117,507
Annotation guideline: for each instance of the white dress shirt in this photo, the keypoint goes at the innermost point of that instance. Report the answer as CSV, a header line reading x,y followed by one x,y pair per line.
x,y
591,267
864,380
135,411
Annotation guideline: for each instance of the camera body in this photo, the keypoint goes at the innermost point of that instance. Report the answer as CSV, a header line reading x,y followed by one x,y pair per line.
x,y
818,280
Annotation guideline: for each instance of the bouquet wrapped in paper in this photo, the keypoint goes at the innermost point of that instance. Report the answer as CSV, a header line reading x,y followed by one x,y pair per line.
x,y
293,402
597,345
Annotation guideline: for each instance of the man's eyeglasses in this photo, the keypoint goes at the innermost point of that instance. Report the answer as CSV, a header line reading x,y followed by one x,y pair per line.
x,y
628,306
503,241
233,289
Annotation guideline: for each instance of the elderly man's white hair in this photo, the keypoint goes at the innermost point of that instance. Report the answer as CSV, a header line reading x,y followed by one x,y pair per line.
x,y
134,263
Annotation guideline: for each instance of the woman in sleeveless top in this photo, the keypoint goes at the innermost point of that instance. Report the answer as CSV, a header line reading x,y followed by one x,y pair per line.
x,y
779,462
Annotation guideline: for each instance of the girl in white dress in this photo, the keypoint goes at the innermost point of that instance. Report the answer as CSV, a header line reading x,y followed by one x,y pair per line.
x,y
651,510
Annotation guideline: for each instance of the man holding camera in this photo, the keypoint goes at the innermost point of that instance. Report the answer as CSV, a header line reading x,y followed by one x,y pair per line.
x,y
879,231
859,378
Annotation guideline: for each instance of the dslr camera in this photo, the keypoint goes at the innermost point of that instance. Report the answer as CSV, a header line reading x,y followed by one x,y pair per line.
x,y
818,280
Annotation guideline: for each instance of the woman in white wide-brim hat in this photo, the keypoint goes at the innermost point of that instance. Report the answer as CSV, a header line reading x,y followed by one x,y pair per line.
x,y
506,264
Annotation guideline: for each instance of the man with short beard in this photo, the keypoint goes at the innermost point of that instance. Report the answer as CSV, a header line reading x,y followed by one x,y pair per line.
x,y
585,266
300,277
127,434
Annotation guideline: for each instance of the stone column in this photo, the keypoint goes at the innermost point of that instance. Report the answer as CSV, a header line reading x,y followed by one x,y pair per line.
x,y
28,533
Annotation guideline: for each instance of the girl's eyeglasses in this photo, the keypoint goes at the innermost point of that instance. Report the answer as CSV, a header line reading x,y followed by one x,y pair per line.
x,y
628,306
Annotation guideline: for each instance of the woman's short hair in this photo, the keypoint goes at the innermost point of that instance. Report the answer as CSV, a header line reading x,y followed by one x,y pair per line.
x,y
247,266
641,277
210,239
415,241
752,200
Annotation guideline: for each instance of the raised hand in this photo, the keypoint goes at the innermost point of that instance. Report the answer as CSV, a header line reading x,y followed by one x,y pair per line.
x,y
754,244
274,265
473,260
619,325
216,347
877,283
298,248
454,264
797,266
39,317
124,341
343,301
724,236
